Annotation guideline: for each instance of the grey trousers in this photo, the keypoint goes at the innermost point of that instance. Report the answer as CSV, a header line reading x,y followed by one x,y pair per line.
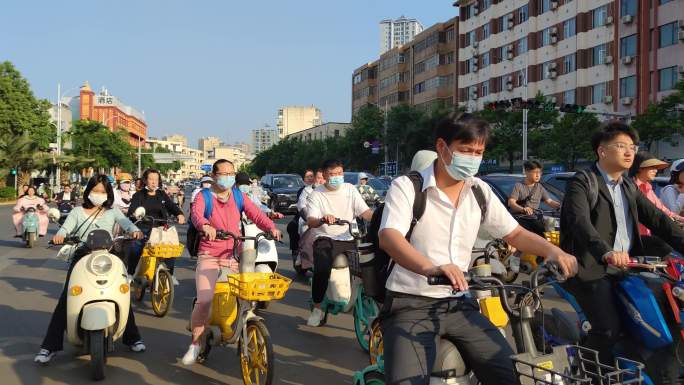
x,y
412,327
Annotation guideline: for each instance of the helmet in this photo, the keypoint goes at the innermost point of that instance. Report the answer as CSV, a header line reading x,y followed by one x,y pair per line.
x,y
677,165
363,175
110,178
123,177
206,178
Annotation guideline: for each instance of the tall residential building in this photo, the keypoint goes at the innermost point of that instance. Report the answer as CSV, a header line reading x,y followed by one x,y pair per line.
x,y
420,73
191,158
110,111
395,33
322,131
207,143
293,119
231,153
613,56
264,138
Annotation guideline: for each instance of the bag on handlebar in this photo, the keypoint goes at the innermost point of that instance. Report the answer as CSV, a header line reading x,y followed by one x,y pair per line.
x,y
193,235
382,263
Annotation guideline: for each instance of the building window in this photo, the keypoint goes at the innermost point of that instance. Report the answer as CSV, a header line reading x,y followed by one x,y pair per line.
x,y
485,59
485,88
357,78
628,46
485,31
546,70
569,28
524,13
569,63
419,88
450,34
544,6
667,78
628,87
599,16
668,34
661,2
628,7
470,38
446,58
546,37
599,54
598,92
522,45
569,96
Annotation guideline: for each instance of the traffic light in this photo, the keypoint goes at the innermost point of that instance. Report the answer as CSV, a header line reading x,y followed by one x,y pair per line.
x,y
13,171
572,108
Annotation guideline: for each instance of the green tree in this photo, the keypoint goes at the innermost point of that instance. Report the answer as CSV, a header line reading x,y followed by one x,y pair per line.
x,y
25,128
147,161
507,127
101,148
569,140
662,120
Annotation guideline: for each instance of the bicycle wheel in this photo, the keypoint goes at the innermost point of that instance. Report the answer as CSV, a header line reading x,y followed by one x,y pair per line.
x,y
363,318
257,364
162,296
374,378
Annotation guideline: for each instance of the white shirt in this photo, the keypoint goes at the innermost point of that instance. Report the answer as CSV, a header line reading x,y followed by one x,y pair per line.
x,y
118,199
301,202
444,234
344,203
672,198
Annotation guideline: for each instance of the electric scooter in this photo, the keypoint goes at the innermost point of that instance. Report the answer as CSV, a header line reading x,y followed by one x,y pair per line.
x,y
29,223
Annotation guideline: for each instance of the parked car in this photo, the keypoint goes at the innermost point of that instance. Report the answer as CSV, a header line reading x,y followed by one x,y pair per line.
x,y
380,185
353,177
282,191
502,185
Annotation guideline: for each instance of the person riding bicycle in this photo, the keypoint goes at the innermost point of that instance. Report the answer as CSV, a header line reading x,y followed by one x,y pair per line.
x,y
334,199
599,225
527,196
367,191
158,205
216,253
416,315
95,213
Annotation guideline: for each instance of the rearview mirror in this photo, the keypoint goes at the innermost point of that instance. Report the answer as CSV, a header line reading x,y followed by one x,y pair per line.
x,y
139,213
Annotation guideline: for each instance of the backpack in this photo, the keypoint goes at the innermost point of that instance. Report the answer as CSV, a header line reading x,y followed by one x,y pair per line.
x,y
382,262
193,235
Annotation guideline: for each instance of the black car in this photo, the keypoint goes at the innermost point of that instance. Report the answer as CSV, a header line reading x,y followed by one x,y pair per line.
x,y
502,185
282,191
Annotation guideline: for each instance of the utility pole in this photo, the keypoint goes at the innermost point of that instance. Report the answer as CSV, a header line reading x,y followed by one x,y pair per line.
x,y
59,134
385,140
139,157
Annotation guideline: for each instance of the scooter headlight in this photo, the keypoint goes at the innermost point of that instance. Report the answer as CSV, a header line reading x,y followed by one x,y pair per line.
x,y
101,264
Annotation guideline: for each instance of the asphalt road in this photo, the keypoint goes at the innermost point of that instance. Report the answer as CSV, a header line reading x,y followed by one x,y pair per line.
x,y
31,280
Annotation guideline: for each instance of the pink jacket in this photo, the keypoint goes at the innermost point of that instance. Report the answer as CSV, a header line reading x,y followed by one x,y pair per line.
x,y
26,202
225,217
647,189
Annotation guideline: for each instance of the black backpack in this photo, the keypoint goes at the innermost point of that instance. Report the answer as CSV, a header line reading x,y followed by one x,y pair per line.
x,y
382,262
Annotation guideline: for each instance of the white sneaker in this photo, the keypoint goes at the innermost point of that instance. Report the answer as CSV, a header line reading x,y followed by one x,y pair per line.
x,y
316,317
138,347
44,356
191,355
175,281
298,261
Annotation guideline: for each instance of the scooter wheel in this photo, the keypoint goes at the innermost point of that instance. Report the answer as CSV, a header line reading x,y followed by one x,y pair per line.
x,y
31,240
98,354
162,297
257,364
374,378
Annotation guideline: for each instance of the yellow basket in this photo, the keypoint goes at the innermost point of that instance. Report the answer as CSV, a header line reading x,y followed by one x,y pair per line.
x,y
553,237
258,286
163,251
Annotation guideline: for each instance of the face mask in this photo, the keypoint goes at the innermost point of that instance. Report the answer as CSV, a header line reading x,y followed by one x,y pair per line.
x,y
206,185
335,182
462,166
97,199
125,187
151,188
226,181
244,188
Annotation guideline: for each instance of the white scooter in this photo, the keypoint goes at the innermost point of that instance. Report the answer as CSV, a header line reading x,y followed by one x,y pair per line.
x,y
98,298
267,258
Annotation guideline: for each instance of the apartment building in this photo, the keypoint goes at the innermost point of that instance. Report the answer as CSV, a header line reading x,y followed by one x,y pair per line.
x,y
322,131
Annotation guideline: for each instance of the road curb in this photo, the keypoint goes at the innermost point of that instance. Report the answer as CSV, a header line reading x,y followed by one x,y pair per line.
x,y
8,203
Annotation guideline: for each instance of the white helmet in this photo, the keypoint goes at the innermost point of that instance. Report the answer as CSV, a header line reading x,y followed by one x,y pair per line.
x,y
363,175
677,165
422,160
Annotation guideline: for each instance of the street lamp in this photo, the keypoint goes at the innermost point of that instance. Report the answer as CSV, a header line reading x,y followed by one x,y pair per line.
x,y
59,129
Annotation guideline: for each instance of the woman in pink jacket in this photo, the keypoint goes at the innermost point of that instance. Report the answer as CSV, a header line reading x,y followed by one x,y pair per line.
x,y
643,171
214,253
30,199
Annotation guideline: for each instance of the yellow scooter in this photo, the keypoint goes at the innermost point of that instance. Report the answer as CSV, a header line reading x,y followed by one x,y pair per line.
x,y
233,319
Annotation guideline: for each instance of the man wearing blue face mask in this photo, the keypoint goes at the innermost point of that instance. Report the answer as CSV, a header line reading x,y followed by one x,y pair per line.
x,y
334,199
416,315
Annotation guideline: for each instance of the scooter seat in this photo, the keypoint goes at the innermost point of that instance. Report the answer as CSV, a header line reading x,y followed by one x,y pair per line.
x,y
449,363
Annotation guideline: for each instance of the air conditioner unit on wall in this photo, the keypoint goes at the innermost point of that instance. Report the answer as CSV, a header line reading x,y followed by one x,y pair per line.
x,y
626,101
680,35
553,74
627,60
554,5
609,20
627,19
511,22
608,60
680,69
475,44
607,99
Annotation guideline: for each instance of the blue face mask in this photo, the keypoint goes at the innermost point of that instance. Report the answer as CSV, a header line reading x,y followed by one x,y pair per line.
x,y
244,188
226,181
335,181
462,166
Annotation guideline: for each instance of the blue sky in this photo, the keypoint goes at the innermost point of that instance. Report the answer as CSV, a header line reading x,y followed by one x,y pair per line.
x,y
203,68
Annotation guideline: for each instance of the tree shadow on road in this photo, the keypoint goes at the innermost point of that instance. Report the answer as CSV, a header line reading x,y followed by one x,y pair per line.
x,y
49,288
